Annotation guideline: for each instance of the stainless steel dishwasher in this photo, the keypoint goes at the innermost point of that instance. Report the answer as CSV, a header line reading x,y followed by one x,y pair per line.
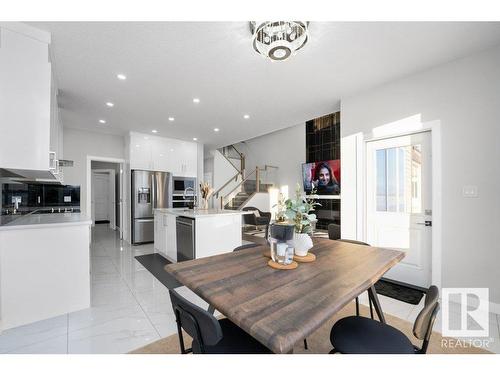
x,y
185,229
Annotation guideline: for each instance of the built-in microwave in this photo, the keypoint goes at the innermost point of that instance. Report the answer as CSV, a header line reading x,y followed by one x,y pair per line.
x,y
182,183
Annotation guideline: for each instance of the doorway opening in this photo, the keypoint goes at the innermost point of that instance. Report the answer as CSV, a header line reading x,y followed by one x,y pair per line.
x,y
399,203
106,188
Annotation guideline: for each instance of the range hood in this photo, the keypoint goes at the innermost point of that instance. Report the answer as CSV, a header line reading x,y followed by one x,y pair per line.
x,y
25,175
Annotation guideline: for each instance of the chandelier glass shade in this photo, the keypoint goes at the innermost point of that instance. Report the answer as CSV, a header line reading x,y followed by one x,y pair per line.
x,y
278,40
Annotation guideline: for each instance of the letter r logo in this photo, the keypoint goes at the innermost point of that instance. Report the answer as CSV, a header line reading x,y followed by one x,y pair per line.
x,y
465,312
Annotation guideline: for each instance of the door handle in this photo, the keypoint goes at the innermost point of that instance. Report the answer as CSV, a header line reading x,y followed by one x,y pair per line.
x,y
427,223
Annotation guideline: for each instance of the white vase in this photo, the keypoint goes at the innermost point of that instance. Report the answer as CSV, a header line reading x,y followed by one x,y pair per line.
x,y
302,243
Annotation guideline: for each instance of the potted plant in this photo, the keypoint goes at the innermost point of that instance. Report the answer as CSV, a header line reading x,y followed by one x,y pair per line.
x,y
298,211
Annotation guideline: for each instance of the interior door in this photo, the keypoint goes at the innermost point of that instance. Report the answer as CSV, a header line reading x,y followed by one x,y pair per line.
x,y
100,192
399,196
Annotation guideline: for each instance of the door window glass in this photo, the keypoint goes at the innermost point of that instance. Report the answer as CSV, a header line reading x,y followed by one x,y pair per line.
x,y
399,179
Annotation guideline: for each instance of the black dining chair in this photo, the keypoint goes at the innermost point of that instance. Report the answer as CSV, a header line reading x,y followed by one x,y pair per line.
x,y
360,335
245,246
210,336
333,230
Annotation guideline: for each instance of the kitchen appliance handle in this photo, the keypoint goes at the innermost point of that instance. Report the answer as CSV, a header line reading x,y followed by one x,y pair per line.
x,y
144,220
153,191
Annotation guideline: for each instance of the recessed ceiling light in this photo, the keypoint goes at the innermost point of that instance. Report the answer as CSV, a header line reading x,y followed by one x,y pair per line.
x,y
195,139
246,117
154,131
137,145
122,77
102,121
171,119
196,100
109,104
216,129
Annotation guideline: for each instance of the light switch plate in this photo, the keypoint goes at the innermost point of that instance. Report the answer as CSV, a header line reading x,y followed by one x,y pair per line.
x,y
470,191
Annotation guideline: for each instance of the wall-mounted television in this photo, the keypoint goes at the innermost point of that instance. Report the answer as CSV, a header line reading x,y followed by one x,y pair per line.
x,y
324,176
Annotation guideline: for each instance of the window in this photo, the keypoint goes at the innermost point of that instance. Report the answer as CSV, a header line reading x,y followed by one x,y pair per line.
x,y
399,179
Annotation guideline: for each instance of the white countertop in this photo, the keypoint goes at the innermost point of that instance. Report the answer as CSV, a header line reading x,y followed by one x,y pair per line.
x,y
199,212
47,220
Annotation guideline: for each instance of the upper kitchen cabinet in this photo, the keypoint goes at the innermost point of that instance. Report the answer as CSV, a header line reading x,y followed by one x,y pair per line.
x,y
140,152
163,154
56,126
25,95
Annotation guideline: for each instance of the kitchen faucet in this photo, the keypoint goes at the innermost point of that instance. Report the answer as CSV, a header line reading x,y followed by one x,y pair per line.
x,y
184,195
16,201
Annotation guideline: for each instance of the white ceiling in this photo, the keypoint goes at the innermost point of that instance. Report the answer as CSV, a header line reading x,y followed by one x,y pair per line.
x,y
167,64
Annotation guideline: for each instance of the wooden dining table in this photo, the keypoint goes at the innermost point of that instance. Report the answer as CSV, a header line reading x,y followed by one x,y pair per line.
x,y
282,307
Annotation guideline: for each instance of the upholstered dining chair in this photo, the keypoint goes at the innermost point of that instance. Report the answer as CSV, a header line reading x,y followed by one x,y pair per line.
x,y
360,335
257,219
210,336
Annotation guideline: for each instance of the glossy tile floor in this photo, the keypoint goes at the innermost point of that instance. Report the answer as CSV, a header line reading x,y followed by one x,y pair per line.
x,y
130,308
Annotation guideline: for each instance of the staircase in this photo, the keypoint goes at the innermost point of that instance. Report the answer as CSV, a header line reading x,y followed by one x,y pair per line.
x,y
245,184
248,188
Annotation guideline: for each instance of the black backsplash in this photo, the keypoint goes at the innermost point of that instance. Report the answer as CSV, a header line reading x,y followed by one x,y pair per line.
x,y
323,143
323,138
40,195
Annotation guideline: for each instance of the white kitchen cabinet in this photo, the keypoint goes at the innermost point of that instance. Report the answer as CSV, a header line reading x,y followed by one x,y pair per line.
x,y
140,152
157,234
188,159
171,237
216,231
165,235
56,127
25,81
163,154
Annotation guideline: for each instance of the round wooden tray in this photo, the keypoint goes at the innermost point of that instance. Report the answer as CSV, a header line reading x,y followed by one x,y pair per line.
x,y
278,266
310,257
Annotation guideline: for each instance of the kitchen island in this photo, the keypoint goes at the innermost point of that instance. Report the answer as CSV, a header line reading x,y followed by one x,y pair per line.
x,y
183,234
44,267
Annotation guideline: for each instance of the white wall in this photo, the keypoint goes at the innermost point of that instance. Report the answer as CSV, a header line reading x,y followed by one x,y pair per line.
x,y
223,170
284,148
78,144
463,96
261,201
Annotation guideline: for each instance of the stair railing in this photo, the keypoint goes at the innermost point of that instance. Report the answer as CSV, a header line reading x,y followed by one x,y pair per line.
x,y
257,171
241,158
222,198
234,178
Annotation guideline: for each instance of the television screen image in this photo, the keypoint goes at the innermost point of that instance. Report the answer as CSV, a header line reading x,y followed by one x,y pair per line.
x,y
324,176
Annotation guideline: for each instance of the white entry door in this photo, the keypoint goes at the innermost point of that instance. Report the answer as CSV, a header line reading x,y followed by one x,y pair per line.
x,y
399,196
100,185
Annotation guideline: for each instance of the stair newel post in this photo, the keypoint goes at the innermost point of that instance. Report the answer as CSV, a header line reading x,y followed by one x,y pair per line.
x,y
221,203
257,179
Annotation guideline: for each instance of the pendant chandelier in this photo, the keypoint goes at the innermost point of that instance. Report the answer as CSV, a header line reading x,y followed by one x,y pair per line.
x,y
278,40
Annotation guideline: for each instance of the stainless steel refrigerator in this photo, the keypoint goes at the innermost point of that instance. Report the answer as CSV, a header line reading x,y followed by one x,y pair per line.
x,y
150,190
